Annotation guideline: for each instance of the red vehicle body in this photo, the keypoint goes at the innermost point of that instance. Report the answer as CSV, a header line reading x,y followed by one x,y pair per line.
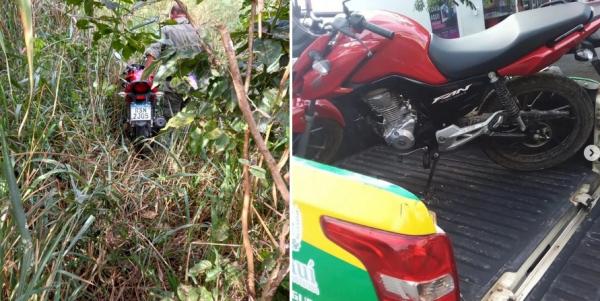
x,y
412,42
324,108
136,87
141,118
365,60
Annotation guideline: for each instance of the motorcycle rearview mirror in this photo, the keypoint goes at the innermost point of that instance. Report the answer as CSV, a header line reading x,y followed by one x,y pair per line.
x,y
347,11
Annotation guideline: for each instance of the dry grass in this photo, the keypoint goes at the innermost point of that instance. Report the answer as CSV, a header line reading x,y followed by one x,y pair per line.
x,y
106,223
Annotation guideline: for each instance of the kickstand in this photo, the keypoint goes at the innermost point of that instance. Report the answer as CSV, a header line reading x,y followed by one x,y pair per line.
x,y
429,188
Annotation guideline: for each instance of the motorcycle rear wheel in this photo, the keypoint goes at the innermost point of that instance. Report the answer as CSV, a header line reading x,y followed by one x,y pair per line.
x,y
140,132
326,137
548,142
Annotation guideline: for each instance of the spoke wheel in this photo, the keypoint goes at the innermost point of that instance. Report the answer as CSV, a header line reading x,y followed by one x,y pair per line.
x,y
546,142
325,139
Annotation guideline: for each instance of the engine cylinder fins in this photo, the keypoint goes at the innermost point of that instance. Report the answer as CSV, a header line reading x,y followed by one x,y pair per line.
x,y
398,119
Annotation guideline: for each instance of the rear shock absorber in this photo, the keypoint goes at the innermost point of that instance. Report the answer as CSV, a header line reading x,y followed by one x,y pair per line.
x,y
508,101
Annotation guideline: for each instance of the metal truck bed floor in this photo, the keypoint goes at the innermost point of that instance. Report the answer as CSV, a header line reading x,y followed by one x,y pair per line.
x,y
494,217
575,275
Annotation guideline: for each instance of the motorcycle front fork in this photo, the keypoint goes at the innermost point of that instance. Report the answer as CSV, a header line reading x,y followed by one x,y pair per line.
x,y
309,119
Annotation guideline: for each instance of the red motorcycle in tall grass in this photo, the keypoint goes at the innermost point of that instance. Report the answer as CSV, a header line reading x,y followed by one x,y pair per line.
x,y
423,92
141,118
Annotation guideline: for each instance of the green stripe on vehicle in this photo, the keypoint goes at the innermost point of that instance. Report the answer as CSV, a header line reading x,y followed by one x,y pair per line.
x,y
395,189
317,275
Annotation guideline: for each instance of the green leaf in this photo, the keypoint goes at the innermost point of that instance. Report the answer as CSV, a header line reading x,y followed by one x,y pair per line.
x,y
213,274
151,69
220,231
17,211
221,143
88,7
188,293
127,51
258,172
205,295
268,53
117,45
214,134
168,22
83,24
200,267
182,119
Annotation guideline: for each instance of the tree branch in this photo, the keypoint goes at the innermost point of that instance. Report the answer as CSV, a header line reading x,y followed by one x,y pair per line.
x,y
281,267
250,48
245,235
247,112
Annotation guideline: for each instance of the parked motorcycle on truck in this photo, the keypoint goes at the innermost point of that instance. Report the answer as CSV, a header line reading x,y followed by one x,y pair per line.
x,y
425,93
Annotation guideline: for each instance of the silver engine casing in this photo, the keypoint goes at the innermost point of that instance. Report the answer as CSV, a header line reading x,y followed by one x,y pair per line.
x,y
398,117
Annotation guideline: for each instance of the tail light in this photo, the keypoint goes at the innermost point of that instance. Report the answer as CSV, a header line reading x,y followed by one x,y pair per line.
x,y
141,87
402,267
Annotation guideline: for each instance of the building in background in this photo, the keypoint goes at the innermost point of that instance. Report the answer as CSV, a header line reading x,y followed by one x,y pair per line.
x,y
443,19
448,19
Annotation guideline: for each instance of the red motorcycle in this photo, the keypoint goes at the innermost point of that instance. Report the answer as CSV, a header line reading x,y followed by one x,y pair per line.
x,y
423,92
141,118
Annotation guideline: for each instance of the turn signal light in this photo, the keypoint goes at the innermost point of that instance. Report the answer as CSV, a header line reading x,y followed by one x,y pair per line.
x,y
402,267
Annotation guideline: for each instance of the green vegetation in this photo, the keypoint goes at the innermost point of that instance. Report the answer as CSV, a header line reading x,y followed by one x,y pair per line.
x,y
82,215
420,4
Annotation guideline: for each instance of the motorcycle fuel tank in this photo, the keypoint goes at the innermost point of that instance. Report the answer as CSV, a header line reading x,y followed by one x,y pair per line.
x,y
405,55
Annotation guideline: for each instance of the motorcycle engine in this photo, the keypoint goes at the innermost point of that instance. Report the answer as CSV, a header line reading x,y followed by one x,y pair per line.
x,y
398,117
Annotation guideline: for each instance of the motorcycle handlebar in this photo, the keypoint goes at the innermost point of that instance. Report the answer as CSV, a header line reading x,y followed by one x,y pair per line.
x,y
358,22
378,30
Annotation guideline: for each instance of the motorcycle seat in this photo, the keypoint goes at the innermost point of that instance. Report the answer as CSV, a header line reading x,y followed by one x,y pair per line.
x,y
507,41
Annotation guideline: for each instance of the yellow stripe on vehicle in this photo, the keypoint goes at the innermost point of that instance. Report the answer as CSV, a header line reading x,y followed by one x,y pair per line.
x,y
320,189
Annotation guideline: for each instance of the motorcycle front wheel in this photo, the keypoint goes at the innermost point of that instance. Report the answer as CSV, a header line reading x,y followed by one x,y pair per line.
x,y
546,142
324,142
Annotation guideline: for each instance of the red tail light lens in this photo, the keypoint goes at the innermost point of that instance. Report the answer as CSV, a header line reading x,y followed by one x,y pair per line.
x,y
140,87
402,267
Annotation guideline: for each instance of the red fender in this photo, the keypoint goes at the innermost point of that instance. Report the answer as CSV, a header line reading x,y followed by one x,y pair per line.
x,y
323,109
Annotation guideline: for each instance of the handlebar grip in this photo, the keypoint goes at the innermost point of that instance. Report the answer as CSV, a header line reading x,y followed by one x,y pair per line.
x,y
378,30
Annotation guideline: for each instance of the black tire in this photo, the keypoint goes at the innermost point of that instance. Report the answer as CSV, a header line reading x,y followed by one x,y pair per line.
x,y
324,142
562,137
140,133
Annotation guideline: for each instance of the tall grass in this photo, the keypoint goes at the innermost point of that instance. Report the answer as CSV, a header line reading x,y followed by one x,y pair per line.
x,y
82,217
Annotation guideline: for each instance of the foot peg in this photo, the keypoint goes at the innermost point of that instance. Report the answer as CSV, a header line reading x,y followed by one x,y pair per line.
x,y
453,136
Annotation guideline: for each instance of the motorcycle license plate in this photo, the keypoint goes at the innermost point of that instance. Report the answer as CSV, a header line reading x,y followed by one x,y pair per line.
x,y
141,111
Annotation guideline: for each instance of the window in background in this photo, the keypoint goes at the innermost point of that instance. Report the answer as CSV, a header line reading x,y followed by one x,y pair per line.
x,y
443,19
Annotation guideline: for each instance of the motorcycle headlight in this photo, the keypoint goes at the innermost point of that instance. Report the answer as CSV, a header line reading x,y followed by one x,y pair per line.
x,y
322,66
